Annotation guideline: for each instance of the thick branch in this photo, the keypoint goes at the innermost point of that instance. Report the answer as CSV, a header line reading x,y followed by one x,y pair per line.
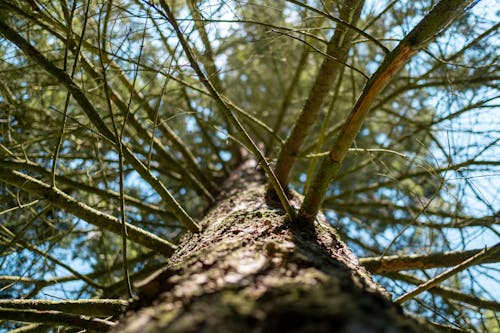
x,y
65,202
478,257
443,14
387,264
338,47
94,117
86,307
55,318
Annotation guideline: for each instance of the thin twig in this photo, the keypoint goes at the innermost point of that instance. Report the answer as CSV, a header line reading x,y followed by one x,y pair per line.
x,y
98,122
342,22
229,114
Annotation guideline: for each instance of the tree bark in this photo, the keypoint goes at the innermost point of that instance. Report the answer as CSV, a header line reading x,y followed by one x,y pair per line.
x,y
251,270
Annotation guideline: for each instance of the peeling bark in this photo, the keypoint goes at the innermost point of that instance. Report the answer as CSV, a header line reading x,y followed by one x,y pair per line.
x,y
250,270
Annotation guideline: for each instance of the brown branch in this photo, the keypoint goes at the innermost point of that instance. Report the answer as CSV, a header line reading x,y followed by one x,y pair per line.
x,y
94,117
388,264
225,107
338,48
72,184
85,307
478,257
55,318
443,14
63,201
448,293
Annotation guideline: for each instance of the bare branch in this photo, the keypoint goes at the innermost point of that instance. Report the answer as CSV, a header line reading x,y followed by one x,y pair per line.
x,y
93,115
443,14
387,264
479,256
86,307
63,201
338,47
55,318
342,22
447,292
250,144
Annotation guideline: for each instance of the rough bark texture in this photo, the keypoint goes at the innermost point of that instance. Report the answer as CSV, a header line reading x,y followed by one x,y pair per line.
x,y
250,270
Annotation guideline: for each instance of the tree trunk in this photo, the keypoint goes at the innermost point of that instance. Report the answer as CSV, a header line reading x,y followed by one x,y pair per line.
x,y
250,270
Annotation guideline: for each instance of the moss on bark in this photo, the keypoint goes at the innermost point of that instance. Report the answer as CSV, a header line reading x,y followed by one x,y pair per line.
x,y
250,270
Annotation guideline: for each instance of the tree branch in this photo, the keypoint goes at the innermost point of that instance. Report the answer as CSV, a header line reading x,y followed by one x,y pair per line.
x,y
85,307
55,318
443,14
133,201
94,117
63,201
226,109
338,47
447,292
388,264
445,275
343,22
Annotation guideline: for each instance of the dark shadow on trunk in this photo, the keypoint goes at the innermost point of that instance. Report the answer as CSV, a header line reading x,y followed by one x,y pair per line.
x,y
251,270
